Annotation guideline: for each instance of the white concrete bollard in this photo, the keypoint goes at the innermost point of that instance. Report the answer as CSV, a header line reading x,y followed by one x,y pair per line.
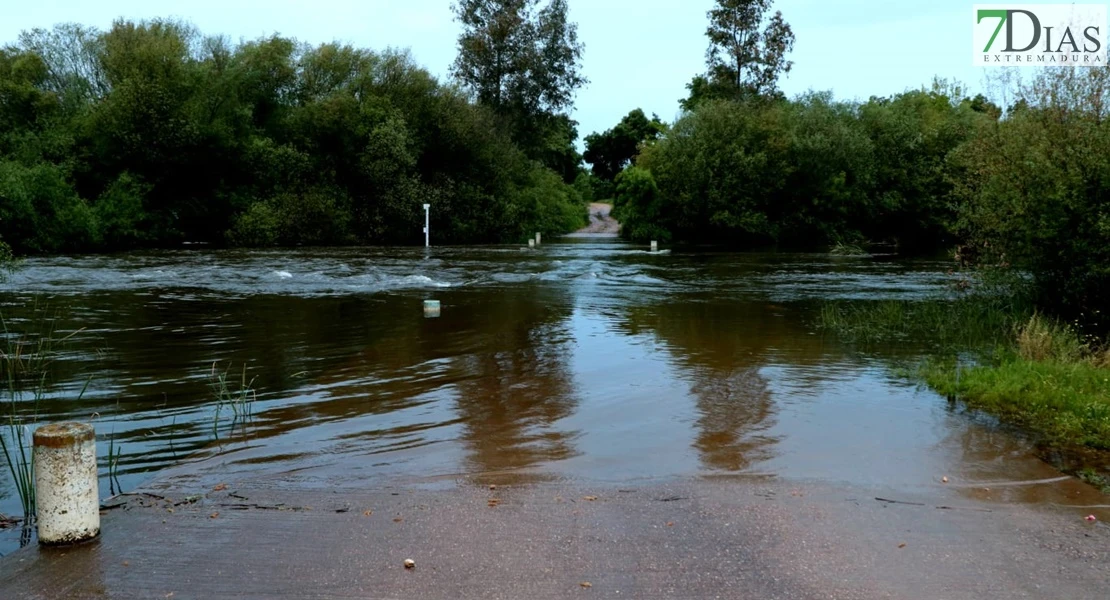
x,y
531,243
431,308
67,494
654,246
538,238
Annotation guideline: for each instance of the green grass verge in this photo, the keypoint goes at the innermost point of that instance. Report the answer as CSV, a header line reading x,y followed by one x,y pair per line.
x,y
1028,370
1066,403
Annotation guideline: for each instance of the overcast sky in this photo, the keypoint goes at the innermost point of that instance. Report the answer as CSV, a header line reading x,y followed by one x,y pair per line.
x,y
639,53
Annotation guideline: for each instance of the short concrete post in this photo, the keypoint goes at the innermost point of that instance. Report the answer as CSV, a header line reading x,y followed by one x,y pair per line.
x,y
538,238
531,243
654,246
67,495
431,309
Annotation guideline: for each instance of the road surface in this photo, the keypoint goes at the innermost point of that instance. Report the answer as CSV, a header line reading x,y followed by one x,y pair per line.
x,y
746,537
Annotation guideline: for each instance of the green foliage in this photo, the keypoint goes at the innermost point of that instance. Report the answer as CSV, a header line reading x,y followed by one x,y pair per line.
x,y
550,206
518,58
522,61
812,171
914,135
746,55
120,216
1034,192
7,259
151,134
39,210
637,205
611,151
256,227
975,321
718,172
1066,402
1043,339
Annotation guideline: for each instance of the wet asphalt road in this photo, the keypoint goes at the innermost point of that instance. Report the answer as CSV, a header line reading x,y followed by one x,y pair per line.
x,y
690,538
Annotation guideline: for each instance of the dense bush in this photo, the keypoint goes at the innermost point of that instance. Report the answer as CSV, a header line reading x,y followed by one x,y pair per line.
x,y
808,171
637,204
1034,192
152,134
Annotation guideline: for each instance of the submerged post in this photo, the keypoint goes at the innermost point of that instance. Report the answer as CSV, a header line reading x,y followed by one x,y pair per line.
x,y
431,309
531,243
427,212
654,246
67,496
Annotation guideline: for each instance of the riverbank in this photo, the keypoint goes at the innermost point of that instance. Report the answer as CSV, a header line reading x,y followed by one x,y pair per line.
x,y
1000,358
756,537
1068,403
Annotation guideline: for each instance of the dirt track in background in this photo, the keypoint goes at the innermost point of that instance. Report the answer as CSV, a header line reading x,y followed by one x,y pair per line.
x,y
601,223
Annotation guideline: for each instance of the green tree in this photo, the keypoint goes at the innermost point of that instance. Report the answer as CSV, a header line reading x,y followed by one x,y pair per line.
x,y
150,134
517,57
521,60
611,151
747,51
1032,190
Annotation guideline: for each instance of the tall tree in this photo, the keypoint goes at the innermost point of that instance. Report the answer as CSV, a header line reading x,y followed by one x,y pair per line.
x,y
747,51
610,152
518,58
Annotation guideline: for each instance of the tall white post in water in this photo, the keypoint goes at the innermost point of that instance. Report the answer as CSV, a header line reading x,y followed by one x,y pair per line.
x,y
654,246
67,497
427,212
537,238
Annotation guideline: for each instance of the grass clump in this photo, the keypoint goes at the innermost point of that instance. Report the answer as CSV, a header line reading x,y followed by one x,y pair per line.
x,y
1093,477
1047,381
1042,339
847,249
1066,403
969,321
27,350
239,395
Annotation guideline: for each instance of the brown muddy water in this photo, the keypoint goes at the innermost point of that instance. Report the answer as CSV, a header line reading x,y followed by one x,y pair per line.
x,y
593,360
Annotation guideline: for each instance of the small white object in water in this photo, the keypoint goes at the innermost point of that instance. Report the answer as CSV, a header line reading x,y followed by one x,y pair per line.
x,y
410,563
283,274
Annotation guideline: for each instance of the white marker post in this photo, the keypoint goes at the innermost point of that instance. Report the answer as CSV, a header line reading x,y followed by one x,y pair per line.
x,y
67,497
427,213
654,246
538,238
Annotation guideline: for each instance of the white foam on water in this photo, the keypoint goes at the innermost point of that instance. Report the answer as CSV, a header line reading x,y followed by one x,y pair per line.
x,y
424,280
283,274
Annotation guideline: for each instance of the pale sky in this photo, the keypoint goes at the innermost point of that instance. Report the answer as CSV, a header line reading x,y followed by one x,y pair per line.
x,y
639,53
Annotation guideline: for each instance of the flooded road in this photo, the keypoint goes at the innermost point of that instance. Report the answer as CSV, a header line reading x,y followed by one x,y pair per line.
x,y
586,361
